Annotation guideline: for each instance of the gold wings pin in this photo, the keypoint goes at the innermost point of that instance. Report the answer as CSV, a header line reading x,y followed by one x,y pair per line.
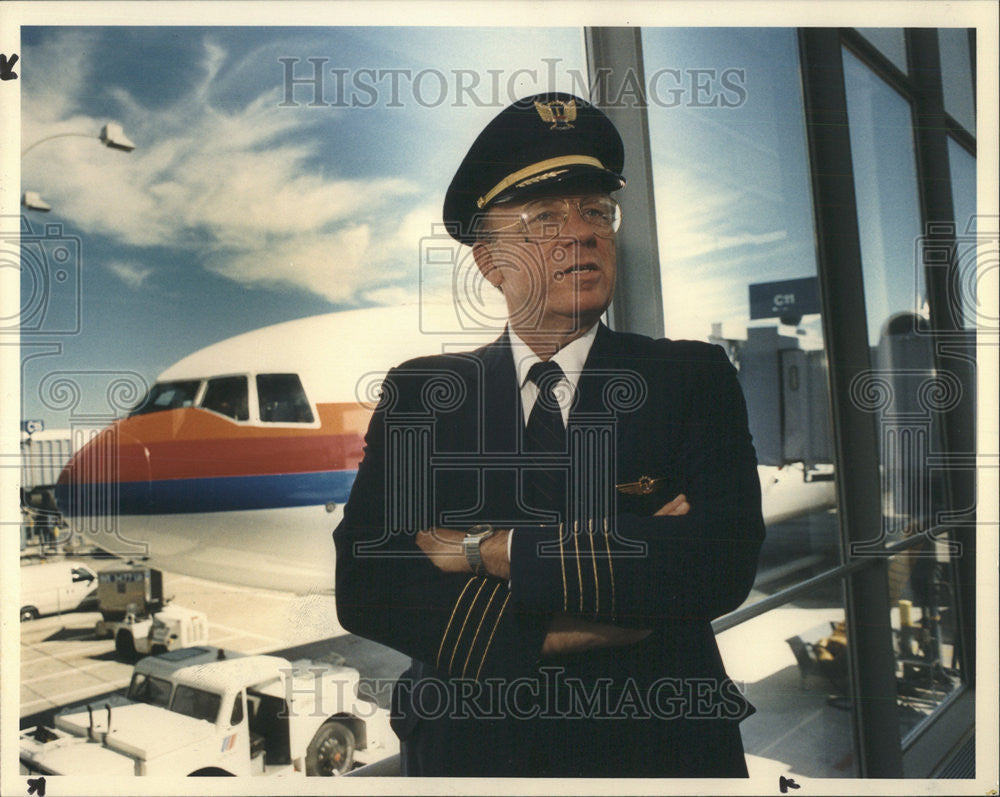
x,y
644,486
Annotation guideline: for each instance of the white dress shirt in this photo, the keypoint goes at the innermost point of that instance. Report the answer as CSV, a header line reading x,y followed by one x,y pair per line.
x,y
570,358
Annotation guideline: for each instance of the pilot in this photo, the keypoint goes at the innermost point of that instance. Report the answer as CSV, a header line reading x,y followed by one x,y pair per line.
x,y
548,524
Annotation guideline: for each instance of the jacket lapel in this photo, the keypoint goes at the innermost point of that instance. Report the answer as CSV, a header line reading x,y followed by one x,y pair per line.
x,y
601,365
501,405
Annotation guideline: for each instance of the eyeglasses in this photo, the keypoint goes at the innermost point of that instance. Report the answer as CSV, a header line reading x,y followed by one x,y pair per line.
x,y
543,219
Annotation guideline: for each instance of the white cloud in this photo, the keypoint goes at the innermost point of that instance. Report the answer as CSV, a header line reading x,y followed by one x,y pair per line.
x,y
389,296
131,274
226,187
696,218
332,265
68,56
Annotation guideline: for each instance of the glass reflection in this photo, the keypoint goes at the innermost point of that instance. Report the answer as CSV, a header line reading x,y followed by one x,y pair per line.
x,y
792,663
905,393
890,42
738,268
956,76
924,631
885,181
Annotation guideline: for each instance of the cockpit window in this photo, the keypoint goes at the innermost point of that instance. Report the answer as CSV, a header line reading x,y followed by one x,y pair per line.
x,y
282,399
227,395
168,396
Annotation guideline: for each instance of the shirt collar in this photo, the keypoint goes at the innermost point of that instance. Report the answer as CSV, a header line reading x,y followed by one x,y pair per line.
x,y
570,357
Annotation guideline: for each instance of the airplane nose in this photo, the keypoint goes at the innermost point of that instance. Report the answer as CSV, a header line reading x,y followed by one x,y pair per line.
x,y
109,476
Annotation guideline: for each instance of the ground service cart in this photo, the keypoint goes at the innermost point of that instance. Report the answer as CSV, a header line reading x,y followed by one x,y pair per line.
x,y
137,616
198,711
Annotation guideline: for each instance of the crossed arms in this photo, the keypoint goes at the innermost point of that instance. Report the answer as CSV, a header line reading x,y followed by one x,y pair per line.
x,y
414,591
566,633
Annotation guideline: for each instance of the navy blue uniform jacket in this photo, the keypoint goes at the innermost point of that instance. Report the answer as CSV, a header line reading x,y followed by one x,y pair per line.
x,y
651,419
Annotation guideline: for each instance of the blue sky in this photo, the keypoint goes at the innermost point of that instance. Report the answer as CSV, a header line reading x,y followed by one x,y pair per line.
x,y
248,202
235,211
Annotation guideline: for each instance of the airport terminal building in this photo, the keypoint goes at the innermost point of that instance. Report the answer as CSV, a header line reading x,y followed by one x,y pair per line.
x,y
837,235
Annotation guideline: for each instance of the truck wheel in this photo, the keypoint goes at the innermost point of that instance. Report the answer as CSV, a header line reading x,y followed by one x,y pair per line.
x,y
331,752
211,772
125,646
28,613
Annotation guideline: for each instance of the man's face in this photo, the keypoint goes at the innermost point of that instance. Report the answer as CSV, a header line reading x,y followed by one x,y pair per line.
x,y
555,285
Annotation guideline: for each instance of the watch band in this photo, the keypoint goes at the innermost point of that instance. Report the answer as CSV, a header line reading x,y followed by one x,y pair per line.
x,y
470,545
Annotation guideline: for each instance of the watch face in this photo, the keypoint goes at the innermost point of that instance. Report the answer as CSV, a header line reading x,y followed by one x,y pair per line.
x,y
480,530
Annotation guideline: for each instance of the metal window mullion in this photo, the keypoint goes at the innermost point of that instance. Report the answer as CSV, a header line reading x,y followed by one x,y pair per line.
x,y
937,209
614,61
845,334
877,61
972,68
962,137
783,596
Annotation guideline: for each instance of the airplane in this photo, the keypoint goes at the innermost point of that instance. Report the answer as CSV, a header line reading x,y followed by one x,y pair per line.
x,y
236,465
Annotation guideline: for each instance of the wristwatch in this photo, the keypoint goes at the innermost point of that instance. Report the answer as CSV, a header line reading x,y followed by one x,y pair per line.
x,y
470,545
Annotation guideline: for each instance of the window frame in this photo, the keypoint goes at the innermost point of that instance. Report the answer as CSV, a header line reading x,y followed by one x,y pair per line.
x,y
638,308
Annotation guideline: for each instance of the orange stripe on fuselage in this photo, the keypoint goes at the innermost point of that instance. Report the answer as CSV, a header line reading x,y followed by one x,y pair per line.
x,y
197,424
194,443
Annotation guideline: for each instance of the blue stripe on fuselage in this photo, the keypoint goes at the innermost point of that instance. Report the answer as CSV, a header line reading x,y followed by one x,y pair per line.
x,y
221,494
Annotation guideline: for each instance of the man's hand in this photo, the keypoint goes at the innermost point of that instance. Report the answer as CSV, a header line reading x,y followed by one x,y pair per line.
x,y
568,634
444,548
678,506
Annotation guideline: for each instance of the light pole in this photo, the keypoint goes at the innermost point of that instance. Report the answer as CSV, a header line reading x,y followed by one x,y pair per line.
x,y
111,135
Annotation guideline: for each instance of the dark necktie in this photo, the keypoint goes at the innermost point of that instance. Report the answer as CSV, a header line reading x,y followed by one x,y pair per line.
x,y
545,481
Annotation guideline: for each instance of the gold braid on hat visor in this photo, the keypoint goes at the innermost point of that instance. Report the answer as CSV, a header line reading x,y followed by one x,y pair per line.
x,y
537,169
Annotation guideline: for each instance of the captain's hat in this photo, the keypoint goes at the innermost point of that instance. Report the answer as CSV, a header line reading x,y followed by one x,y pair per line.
x,y
540,144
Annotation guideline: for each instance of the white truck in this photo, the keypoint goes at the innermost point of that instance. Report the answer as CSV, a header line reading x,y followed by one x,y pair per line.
x,y
50,587
198,711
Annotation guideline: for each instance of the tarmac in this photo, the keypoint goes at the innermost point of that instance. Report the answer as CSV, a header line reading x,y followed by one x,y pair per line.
x,y
64,663
801,728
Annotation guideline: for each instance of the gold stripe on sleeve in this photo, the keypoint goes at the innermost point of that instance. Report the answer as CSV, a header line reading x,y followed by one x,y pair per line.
x,y
465,622
579,571
489,641
562,563
450,619
611,568
475,636
593,560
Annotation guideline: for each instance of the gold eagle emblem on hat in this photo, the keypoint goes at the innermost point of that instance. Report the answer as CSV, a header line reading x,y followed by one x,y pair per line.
x,y
558,113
